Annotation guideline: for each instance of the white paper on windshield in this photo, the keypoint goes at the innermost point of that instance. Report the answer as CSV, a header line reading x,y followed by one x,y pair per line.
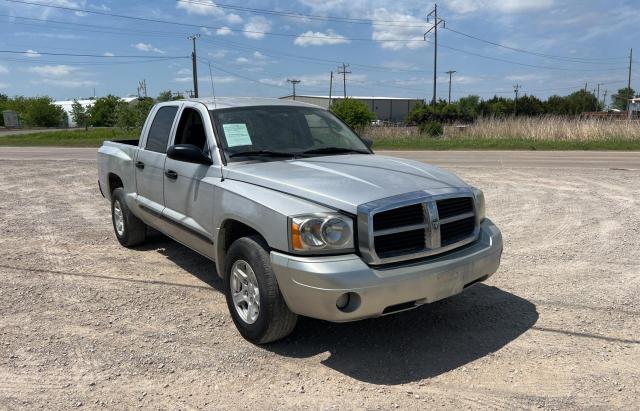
x,y
237,134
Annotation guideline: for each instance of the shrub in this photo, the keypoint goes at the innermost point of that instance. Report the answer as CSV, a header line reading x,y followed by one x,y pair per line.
x,y
431,128
103,111
353,112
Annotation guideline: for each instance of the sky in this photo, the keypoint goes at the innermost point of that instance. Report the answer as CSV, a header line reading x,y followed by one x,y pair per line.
x,y
252,47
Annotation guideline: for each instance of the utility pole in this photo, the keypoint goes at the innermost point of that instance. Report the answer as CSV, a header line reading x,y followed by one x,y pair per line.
x,y
585,87
213,90
293,82
598,95
516,89
330,88
450,72
142,89
194,62
604,99
434,28
344,70
629,96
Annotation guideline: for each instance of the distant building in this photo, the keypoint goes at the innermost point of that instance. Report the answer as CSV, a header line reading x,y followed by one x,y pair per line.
x,y
634,107
66,106
11,119
391,109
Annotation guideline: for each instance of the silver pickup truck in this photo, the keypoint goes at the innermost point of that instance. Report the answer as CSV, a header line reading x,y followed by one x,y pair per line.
x,y
300,216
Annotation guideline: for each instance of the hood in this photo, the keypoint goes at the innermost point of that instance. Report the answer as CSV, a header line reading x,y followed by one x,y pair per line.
x,y
345,181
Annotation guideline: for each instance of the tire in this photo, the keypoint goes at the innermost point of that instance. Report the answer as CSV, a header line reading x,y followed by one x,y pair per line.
x,y
133,231
274,319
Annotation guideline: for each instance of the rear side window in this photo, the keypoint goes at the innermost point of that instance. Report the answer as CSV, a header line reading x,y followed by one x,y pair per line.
x,y
160,129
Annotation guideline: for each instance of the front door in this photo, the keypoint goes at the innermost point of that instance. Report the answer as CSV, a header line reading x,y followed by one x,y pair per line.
x,y
189,187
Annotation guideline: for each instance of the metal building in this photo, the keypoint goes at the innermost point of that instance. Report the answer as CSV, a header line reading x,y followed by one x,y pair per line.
x,y
391,109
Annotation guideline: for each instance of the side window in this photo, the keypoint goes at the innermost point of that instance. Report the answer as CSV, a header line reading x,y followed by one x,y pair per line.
x,y
191,130
160,129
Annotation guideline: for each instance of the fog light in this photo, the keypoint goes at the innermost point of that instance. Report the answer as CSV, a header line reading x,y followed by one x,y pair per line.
x,y
343,301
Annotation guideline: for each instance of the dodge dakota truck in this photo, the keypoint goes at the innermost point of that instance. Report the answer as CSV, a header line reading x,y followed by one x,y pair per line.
x,y
298,213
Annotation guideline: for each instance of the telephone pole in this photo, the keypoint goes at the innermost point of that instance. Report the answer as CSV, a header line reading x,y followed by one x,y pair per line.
x,y
194,64
450,73
629,96
293,82
434,28
598,95
330,87
516,89
344,70
604,99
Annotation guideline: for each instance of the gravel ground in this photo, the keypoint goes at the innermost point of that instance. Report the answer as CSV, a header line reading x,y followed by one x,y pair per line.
x,y
87,323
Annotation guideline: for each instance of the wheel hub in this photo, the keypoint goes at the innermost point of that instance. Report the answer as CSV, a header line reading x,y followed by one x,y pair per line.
x,y
118,218
245,292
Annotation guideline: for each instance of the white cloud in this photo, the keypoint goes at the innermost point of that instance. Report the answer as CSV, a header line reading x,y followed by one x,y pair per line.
x,y
65,83
259,56
4,85
501,6
243,60
206,31
201,7
234,18
317,38
108,54
4,69
183,79
55,71
32,54
404,26
224,31
147,47
218,54
183,72
256,26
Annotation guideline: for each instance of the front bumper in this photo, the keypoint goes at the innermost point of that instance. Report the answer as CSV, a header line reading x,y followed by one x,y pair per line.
x,y
312,285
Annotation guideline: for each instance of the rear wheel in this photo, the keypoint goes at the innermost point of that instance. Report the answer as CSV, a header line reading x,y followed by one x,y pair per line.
x,y
256,305
129,229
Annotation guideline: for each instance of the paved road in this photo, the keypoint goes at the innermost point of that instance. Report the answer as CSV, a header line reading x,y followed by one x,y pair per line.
x,y
507,159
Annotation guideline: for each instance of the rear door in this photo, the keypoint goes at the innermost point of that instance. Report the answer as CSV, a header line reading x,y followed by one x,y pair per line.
x,y
189,187
149,164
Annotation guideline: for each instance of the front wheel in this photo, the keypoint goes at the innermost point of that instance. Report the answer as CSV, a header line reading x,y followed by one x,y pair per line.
x,y
256,305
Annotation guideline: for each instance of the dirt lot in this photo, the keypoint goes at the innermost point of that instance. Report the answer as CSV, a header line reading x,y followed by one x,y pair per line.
x,y
87,323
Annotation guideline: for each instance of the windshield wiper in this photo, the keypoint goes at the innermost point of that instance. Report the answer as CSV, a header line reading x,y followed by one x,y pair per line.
x,y
333,150
264,153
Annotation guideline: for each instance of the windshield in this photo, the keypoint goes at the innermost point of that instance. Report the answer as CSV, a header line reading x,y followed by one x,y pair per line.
x,y
278,130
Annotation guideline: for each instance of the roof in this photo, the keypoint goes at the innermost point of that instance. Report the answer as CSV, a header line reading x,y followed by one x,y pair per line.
x,y
230,102
354,97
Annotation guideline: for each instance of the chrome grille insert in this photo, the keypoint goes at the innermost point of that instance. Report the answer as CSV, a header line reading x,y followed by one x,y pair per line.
x,y
416,225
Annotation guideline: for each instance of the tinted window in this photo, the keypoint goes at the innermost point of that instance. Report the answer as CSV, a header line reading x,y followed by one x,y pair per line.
x,y
191,130
282,128
160,129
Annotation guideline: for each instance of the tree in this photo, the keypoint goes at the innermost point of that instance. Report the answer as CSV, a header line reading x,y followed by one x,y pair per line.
x,y
581,101
80,114
41,112
133,115
353,112
621,98
530,106
469,106
165,95
104,110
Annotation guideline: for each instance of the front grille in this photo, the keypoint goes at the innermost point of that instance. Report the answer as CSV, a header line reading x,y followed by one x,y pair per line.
x,y
399,217
426,227
456,230
400,243
454,206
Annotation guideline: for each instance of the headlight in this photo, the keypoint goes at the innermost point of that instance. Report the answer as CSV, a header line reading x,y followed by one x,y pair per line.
x,y
321,232
478,197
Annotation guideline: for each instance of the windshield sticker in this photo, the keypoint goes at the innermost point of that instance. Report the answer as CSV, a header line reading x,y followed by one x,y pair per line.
x,y
237,135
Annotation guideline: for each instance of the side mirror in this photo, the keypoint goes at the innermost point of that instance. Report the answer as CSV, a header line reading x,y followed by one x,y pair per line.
x,y
367,142
188,153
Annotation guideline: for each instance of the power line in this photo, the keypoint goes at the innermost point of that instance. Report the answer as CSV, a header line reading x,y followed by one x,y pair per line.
x,y
549,56
436,22
175,23
36,53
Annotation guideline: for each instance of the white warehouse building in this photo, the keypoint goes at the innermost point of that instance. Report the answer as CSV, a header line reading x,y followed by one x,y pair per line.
x,y
391,109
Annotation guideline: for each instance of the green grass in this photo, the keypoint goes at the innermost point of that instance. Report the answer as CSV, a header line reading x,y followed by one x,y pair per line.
x,y
466,143
95,137
69,138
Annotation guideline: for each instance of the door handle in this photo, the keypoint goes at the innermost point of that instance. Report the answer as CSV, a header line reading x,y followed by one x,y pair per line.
x,y
171,174
140,165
